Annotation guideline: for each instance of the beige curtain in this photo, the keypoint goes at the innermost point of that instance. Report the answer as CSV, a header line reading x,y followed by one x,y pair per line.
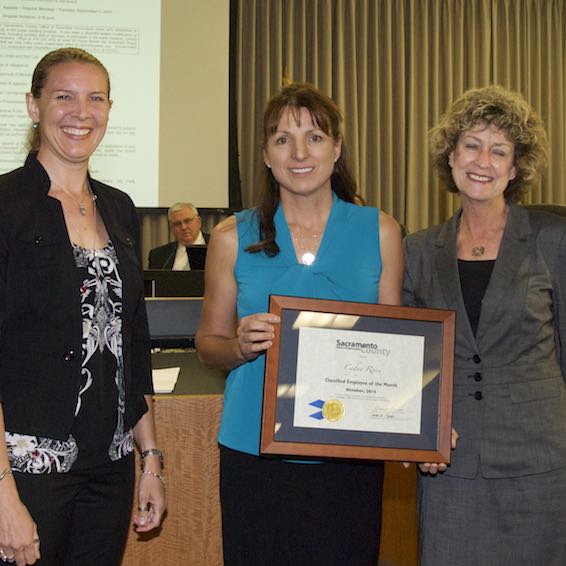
x,y
154,230
393,66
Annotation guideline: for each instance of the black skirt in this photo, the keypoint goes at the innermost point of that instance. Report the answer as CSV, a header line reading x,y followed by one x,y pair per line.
x,y
276,512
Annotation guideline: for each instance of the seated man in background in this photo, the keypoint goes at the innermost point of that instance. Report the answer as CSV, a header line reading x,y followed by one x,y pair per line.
x,y
185,224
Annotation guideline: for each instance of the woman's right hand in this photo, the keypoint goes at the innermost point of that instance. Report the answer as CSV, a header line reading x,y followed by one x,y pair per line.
x,y
19,540
255,334
434,468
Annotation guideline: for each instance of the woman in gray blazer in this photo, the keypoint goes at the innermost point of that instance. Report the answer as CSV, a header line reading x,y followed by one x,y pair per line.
x,y
502,501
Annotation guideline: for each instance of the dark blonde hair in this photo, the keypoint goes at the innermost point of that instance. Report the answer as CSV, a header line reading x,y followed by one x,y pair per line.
x,y
327,117
507,111
41,74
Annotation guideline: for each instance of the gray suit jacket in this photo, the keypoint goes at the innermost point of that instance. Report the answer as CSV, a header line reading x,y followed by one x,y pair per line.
x,y
509,391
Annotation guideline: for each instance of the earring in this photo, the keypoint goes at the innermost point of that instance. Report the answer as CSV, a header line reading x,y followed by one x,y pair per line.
x,y
35,125
269,166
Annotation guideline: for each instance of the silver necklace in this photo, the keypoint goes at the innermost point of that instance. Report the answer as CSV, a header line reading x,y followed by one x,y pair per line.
x,y
307,253
80,202
78,232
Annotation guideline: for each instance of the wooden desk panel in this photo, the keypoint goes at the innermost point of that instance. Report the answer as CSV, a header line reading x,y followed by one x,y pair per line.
x,y
191,532
399,541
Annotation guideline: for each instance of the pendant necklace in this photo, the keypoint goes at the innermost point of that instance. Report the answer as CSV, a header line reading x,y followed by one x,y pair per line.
x,y
78,232
306,254
80,202
489,237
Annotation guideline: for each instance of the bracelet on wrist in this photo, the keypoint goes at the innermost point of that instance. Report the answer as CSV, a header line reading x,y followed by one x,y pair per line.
x,y
158,476
6,472
152,452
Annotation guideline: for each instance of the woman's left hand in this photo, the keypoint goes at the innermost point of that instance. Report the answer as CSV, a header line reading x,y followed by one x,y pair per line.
x,y
151,501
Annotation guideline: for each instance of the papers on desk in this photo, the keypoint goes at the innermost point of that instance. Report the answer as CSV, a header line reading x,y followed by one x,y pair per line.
x,y
164,380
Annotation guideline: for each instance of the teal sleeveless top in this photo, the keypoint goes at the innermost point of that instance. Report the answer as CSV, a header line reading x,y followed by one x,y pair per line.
x,y
347,267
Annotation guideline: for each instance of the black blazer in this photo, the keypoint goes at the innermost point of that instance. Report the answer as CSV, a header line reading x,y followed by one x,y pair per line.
x,y
162,257
40,315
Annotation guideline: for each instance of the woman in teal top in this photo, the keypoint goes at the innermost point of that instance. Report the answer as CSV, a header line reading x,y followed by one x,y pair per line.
x,y
306,239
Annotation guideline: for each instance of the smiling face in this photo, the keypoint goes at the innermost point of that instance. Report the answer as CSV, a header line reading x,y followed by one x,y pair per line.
x,y
72,112
300,154
482,163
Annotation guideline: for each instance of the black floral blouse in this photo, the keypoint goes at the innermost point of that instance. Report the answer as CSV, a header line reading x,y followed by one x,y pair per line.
x,y
98,434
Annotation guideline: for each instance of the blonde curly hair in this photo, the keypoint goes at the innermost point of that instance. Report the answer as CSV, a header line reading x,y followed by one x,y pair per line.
x,y
509,112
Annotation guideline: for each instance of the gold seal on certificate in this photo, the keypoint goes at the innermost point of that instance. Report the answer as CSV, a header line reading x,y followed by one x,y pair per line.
x,y
333,410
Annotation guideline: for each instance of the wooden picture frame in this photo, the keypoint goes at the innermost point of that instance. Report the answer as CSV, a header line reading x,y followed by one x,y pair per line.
x,y
380,379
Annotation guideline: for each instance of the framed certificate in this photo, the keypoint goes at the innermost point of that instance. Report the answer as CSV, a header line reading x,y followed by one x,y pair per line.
x,y
358,381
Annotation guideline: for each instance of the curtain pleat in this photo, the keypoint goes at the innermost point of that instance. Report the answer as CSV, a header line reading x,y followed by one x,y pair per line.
x,y
154,231
393,67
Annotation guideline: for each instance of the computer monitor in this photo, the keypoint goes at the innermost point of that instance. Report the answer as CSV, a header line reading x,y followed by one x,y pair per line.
x,y
173,322
197,256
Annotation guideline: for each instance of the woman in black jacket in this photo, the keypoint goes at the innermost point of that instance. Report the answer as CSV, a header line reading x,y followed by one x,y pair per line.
x,y
75,371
